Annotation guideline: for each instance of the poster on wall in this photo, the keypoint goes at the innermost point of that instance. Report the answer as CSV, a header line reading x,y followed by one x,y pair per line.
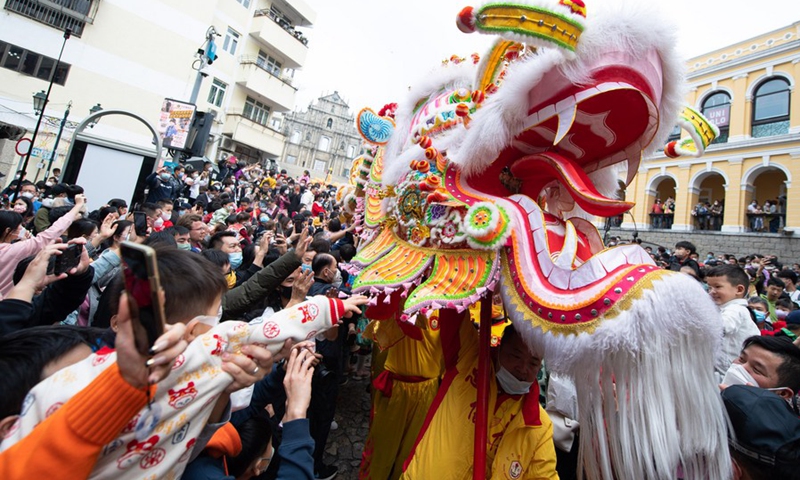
x,y
174,122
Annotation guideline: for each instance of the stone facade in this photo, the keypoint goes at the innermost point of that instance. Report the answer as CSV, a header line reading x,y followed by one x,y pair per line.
x,y
322,139
787,248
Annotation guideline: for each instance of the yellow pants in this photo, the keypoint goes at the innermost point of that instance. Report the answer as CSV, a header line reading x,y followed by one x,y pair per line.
x,y
396,422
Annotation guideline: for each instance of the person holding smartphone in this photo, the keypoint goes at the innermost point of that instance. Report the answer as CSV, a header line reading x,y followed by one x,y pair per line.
x,y
25,245
42,298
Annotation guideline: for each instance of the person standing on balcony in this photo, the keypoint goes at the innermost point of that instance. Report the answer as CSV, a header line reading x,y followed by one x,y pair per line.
x,y
716,216
669,212
756,221
657,214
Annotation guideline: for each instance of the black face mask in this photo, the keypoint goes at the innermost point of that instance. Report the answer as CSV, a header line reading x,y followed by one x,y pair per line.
x,y
286,292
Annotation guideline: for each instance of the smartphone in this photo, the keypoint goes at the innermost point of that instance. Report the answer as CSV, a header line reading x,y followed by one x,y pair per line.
x,y
298,226
140,223
140,277
69,259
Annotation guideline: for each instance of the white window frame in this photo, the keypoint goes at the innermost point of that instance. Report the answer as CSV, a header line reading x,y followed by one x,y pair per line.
x,y
324,144
320,163
216,94
269,63
256,111
231,41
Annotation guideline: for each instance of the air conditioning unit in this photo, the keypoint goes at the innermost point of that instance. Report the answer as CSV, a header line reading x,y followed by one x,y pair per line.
x,y
227,143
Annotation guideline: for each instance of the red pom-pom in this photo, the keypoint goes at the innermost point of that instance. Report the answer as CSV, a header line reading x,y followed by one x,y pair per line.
x,y
669,150
462,110
466,20
425,142
388,110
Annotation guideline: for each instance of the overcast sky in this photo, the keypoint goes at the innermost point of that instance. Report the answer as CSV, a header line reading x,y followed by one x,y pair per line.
x,y
371,51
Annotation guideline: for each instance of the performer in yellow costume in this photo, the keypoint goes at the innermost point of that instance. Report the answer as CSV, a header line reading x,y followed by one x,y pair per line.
x,y
403,393
520,440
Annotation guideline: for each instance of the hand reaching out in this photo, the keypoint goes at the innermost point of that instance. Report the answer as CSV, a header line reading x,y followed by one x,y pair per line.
x,y
297,383
352,303
302,283
85,261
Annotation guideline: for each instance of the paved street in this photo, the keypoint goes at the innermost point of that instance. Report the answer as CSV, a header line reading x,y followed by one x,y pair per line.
x,y
346,443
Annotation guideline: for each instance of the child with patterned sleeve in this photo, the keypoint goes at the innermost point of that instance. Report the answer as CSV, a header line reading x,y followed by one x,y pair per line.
x,y
158,441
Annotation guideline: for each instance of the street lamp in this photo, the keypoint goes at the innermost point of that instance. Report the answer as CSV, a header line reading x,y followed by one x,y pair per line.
x,y
39,104
55,147
92,111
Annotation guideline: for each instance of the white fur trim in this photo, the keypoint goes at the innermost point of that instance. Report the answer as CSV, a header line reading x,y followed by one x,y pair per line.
x,y
648,400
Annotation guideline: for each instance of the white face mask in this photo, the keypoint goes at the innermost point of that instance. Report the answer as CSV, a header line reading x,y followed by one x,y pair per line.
x,y
28,195
337,279
510,384
738,375
159,222
166,215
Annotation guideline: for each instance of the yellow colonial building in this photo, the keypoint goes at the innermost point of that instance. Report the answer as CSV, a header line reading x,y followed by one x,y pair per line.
x,y
746,89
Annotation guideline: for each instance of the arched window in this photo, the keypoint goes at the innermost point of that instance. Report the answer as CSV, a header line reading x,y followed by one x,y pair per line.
x,y
324,144
295,138
330,123
771,108
717,109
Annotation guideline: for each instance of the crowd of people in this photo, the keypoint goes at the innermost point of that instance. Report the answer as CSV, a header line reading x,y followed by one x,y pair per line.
x,y
246,244
234,243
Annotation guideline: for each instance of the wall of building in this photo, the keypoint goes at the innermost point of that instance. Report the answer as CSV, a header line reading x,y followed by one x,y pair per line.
x,y
745,167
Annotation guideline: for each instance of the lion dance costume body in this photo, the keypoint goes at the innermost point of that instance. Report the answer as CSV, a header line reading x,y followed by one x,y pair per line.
x,y
486,178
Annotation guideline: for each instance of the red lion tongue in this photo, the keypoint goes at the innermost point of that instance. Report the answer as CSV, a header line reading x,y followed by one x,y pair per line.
x,y
536,171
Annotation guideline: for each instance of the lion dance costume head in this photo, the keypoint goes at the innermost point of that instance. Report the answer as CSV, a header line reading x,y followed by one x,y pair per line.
x,y
486,178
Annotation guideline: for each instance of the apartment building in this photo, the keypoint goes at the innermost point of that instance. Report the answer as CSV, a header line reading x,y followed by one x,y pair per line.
x,y
132,55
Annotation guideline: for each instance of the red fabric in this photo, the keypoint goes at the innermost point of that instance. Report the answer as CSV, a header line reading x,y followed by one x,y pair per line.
x,y
776,327
410,330
384,382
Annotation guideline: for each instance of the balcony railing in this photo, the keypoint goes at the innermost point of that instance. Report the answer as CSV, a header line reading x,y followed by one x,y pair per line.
x,y
283,23
250,60
766,222
661,221
707,221
60,14
238,112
